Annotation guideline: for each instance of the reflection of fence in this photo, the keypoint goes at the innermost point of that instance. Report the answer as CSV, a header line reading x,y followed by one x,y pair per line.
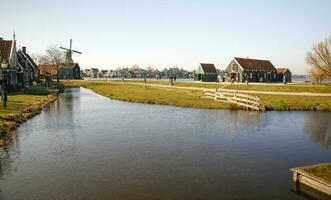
x,y
244,100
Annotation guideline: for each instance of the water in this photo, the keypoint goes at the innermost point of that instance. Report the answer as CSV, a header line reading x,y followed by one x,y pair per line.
x,y
85,146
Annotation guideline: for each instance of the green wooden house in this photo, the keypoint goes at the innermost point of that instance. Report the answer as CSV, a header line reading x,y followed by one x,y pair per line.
x,y
206,73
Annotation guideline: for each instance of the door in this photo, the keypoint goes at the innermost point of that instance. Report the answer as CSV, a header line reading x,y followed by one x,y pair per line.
x,y
268,77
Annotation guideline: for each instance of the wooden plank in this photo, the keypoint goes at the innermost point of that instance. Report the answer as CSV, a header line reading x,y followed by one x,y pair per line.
x,y
242,100
248,101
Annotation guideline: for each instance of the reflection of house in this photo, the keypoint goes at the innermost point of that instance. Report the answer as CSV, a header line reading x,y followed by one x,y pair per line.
x,y
207,73
253,70
284,72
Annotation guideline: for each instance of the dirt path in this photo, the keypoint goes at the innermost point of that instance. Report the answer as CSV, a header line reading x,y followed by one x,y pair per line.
x,y
231,90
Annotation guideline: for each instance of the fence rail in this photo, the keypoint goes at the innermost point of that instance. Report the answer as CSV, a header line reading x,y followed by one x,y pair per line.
x,y
243,100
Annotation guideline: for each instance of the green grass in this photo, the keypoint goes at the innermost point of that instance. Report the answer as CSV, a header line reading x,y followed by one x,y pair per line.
x,y
283,103
291,87
315,88
321,171
195,99
21,107
150,95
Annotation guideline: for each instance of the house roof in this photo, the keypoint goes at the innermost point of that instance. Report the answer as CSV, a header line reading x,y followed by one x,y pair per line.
x,y
281,70
47,68
5,48
254,64
208,68
30,60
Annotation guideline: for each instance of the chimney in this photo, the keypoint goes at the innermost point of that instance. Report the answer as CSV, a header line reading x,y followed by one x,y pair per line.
x,y
24,49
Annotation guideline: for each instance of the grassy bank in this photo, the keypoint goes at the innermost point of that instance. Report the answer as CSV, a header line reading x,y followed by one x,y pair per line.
x,y
321,171
292,87
150,95
195,99
295,103
21,107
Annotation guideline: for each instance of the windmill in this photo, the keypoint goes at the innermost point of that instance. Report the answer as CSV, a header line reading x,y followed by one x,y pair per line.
x,y
68,56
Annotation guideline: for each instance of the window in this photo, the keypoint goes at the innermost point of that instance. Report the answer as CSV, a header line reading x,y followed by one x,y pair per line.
x,y
233,66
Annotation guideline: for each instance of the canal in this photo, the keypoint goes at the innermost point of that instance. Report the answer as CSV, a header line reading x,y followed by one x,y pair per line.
x,y
86,146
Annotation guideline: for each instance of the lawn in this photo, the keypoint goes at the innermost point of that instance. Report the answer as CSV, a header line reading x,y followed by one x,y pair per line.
x,y
194,98
321,171
150,95
291,87
21,107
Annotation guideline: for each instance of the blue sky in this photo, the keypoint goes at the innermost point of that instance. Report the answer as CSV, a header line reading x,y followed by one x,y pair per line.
x,y
164,33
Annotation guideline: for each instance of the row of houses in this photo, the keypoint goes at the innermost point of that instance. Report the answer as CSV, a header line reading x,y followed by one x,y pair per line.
x,y
244,70
18,70
137,72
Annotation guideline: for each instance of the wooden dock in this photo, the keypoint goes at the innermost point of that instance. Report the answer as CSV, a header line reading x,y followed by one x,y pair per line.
x,y
302,177
243,100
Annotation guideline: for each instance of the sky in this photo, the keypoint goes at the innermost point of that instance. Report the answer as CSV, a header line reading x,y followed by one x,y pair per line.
x,y
165,33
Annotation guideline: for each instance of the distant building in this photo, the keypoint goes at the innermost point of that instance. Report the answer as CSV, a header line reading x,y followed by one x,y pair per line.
x,y
253,70
206,73
284,72
69,71
47,69
66,71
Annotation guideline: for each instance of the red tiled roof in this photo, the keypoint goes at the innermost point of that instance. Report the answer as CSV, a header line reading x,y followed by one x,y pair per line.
x,y
47,68
5,48
208,68
254,64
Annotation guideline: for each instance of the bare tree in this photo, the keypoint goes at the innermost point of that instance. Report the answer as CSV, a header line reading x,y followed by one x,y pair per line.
x,y
320,59
316,74
53,56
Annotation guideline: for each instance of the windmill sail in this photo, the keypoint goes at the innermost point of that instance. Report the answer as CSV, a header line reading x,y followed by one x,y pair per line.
x,y
68,53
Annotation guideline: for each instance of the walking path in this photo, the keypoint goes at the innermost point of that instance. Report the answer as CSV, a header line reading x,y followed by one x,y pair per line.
x,y
231,90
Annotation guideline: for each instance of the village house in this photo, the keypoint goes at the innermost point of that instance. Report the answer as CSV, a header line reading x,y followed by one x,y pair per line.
x,y
28,67
251,70
69,71
66,72
21,70
8,52
284,75
206,73
5,52
49,69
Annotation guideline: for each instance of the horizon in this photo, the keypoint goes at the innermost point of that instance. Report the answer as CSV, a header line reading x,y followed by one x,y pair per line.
x,y
163,34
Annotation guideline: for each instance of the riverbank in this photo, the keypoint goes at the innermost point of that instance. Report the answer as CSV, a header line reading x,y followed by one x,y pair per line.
x,y
153,94
150,95
278,87
21,107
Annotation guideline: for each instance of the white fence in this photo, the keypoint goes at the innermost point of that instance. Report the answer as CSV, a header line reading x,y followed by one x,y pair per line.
x,y
243,100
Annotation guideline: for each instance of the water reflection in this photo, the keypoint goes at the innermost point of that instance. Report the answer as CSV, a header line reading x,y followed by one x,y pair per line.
x,y
86,145
318,126
8,154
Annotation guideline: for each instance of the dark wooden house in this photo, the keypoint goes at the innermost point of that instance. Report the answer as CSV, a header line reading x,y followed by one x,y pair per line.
x,y
69,71
252,70
206,73
284,74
